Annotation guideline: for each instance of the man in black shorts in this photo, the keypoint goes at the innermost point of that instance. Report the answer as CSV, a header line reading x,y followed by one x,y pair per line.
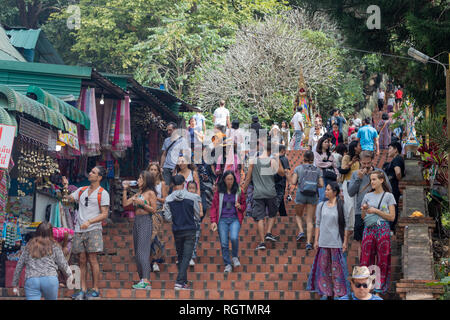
x,y
261,172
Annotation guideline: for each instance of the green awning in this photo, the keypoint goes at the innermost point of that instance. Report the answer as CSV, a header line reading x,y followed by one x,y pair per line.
x,y
14,101
8,118
69,111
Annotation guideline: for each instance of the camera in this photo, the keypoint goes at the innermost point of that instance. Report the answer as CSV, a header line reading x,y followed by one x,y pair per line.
x,y
289,198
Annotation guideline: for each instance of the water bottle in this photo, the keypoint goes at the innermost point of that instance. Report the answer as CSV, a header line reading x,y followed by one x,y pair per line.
x,y
133,183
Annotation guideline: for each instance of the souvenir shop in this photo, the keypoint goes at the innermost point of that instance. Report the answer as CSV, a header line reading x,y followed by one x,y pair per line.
x,y
31,185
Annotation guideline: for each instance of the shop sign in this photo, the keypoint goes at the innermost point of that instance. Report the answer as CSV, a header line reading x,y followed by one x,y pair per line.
x,y
7,134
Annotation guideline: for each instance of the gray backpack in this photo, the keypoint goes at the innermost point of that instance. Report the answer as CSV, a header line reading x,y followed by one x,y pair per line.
x,y
309,180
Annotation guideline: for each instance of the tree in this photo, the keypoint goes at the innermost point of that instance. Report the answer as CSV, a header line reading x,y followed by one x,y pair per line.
x,y
259,73
422,24
28,13
188,33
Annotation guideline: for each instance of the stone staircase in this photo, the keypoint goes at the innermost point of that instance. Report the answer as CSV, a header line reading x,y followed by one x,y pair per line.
x,y
280,272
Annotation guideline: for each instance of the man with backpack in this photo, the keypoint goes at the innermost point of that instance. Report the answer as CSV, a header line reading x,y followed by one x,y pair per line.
x,y
309,179
93,203
261,173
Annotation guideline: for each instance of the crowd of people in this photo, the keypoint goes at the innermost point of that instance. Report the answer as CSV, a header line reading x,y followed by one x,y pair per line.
x,y
339,191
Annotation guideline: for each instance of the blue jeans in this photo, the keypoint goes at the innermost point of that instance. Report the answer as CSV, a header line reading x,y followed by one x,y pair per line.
x,y
298,134
38,286
229,230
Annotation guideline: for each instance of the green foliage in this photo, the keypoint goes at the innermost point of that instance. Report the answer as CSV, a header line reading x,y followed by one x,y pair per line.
x,y
188,33
422,24
442,272
433,127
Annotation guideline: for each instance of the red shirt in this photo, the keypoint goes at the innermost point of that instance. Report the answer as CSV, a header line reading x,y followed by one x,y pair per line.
x,y
351,130
399,94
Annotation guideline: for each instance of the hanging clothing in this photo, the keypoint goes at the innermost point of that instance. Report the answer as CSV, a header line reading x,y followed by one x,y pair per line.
x,y
107,123
91,137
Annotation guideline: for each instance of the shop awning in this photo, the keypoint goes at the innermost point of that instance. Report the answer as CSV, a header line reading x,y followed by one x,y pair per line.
x,y
70,112
8,118
14,101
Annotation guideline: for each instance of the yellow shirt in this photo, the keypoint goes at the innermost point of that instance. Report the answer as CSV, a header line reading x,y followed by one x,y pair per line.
x,y
355,166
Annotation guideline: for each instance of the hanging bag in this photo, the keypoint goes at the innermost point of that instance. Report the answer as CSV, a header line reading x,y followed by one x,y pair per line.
x,y
329,173
371,219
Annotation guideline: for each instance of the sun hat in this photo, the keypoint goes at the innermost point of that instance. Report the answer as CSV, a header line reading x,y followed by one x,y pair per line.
x,y
363,273
360,272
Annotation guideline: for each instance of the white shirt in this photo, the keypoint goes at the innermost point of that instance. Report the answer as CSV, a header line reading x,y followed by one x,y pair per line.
x,y
357,122
92,210
221,115
298,117
314,138
199,120
381,95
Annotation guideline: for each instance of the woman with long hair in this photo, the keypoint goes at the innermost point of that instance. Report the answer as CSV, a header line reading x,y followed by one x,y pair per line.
x,y
145,205
329,271
377,209
227,214
42,257
306,198
188,171
324,160
157,246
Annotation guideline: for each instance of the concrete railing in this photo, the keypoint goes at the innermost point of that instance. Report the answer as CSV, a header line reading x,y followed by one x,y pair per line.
x,y
417,254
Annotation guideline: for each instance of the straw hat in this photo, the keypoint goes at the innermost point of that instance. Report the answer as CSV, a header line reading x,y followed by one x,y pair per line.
x,y
363,273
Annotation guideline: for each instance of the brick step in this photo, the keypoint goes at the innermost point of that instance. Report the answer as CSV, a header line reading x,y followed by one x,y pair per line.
x,y
202,294
218,276
289,285
246,243
170,293
245,260
207,276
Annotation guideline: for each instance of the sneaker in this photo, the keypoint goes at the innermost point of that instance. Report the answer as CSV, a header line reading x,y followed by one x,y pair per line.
x,y
228,268
79,295
236,262
261,246
192,262
155,267
142,285
92,294
300,236
270,237
309,246
182,286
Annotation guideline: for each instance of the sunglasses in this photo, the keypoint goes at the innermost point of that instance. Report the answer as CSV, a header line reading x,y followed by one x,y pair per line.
x,y
359,285
86,201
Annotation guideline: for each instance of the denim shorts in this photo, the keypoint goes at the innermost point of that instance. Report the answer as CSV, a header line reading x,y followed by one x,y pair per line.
x,y
300,198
